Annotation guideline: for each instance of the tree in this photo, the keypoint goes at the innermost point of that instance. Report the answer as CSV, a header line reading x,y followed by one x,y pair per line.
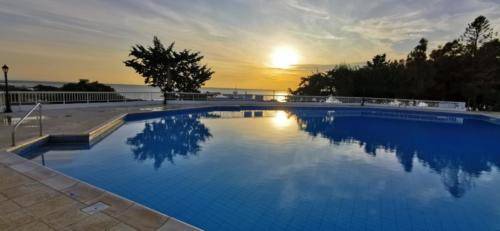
x,y
419,54
40,87
465,69
419,74
85,85
13,88
344,80
316,84
378,61
170,70
485,86
477,33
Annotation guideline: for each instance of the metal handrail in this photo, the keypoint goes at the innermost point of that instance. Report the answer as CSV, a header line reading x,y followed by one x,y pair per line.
x,y
37,106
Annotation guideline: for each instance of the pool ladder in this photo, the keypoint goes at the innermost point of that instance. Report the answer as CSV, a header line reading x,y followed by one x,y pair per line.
x,y
37,106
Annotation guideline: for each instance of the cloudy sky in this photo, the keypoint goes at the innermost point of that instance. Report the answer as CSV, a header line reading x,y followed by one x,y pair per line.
x,y
64,40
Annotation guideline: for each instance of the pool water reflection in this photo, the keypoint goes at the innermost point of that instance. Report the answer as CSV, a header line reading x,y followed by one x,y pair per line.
x,y
168,137
301,169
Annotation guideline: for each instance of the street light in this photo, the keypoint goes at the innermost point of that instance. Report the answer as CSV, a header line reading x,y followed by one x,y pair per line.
x,y
5,70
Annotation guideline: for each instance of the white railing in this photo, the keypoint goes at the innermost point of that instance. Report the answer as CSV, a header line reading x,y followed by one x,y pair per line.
x,y
56,97
331,100
31,97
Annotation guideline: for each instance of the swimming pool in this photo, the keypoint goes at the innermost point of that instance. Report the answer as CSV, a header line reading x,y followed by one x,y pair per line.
x,y
299,169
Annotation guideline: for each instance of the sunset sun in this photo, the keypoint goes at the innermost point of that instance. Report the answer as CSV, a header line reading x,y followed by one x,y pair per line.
x,y
284,57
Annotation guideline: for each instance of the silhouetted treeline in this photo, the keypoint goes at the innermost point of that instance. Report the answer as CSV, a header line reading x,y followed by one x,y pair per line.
x,y
13,88
83,85
465,69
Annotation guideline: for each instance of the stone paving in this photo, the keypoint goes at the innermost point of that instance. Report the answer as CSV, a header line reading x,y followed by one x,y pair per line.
x,y
33,197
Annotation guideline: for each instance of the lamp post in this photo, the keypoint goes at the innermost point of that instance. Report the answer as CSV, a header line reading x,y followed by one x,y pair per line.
x,y
5,70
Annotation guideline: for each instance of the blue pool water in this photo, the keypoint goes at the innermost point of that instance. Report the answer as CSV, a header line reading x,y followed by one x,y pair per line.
x,y
300,169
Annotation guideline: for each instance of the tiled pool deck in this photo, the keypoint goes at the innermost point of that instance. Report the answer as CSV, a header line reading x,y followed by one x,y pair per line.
x,y
33,197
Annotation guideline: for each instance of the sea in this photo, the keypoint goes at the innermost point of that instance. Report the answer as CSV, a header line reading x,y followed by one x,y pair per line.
x,y
145,88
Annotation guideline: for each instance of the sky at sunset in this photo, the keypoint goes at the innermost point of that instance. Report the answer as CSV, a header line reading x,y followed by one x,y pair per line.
x,y
259,44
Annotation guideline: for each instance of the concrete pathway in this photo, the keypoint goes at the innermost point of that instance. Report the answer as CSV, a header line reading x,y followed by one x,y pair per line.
x,y
64,121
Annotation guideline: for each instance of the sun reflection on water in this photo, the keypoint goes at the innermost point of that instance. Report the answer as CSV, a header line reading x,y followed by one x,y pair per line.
x,y
281,119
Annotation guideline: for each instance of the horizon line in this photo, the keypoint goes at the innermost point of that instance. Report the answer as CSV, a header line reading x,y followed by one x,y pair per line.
x,y
145,85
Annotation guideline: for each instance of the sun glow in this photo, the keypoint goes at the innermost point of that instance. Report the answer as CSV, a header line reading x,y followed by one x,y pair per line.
x,y
284,57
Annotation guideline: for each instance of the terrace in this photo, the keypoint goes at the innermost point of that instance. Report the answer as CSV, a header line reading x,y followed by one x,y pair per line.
x,y
32,195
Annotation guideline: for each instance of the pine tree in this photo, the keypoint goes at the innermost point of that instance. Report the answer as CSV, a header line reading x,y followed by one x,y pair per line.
x,y
168,69
477,33
419,54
